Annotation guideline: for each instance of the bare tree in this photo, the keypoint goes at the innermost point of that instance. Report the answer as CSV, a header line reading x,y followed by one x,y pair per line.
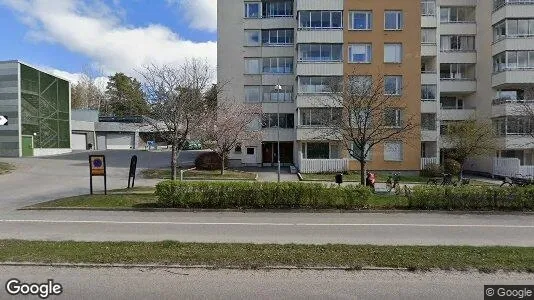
x,y
231,125
87,94
527,109
177,97
371,114
470,139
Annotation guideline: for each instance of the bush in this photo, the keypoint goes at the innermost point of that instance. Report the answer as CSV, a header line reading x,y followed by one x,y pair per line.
x,y
471,198
432,170
264,195
452,167
209,161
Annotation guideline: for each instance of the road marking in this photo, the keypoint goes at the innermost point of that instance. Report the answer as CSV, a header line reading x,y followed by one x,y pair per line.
x,y
266,224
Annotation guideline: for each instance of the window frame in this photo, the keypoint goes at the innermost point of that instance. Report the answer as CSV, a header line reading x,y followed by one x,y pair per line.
x,y
398,85
368,53
260,9
401,53
368,20
401,148
399,20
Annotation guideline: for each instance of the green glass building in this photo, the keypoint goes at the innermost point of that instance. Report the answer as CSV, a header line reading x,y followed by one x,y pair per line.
x,y
37,107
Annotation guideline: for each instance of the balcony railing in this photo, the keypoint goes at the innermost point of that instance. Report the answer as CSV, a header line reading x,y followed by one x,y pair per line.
x,y
497,4
425,161
501,101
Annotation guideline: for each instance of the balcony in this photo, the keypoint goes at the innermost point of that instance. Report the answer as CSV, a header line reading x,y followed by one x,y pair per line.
x,y
465,28
429,135
429,50
505,107
429,77
270,23
458,57
319,5
317,100
511,43
456,114
429,106
271,134
513,9
464,86
328,36
320,69
308,133
513,77
515,142
429,22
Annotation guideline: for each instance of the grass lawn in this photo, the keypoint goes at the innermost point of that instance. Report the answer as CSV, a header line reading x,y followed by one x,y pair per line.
x,y
6,168
199,174
381,178
250,256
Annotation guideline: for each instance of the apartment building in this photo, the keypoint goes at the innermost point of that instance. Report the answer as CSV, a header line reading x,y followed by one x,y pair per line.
x,y
449,60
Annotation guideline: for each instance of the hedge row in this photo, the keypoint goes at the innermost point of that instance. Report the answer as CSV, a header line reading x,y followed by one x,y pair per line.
x,y
263,195
472,198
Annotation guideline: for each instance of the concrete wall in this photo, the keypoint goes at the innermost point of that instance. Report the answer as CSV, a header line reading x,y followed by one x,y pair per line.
x,y
9,107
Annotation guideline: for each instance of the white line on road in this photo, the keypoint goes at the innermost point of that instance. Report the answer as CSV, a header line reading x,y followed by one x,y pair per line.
x,y
265,224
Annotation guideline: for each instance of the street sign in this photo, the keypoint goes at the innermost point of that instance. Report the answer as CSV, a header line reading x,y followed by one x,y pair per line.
x,y
3,121
97,167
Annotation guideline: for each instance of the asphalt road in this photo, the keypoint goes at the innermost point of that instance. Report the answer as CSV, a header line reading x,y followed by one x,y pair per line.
x,y
307,228
139,283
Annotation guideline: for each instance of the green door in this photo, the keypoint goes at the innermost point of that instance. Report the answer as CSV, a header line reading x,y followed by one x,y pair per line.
x,y
27,146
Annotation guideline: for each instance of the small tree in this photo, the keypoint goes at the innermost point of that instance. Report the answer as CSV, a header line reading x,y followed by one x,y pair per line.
x,y
86,94
469,139
527,110
176,95
371,114
231,125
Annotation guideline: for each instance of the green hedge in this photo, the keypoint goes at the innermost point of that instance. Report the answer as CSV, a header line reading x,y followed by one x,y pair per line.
x,y
263,195
472,198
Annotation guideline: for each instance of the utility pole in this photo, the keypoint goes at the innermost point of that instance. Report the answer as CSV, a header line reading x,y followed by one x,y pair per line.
x,y
278,88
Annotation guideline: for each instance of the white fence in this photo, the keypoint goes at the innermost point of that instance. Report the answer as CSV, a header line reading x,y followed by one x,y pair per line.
x,y
428,160
510,167
323,165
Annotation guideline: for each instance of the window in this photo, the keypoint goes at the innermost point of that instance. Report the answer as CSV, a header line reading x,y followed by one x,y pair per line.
x,y
316,150
252,94
253,10
270,120
252,37
237,149
393,85
319,116
517,27
278,9
361,20
393,151
428,92
357,152
457,72
393,117
251,151
499,31
457,43
271,94
360,84
428,36
277,65
513,60
428,122
449,102
360,53
275,37
457,14
252,66
320,52
362,118
393,20
320,20
392,53
428,7
316,84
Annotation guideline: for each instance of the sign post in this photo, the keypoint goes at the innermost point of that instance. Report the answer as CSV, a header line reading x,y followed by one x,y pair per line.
x,y
133,167
97,167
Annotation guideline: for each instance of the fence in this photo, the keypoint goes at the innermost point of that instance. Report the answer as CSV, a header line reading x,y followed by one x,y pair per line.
x,y
323,165
428,160
506,167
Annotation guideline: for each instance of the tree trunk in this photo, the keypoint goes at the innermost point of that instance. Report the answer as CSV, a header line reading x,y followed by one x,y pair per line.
x,y
362,174
222,165
174,157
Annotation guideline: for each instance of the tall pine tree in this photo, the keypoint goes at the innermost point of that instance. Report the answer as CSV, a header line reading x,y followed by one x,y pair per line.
x,y
125,97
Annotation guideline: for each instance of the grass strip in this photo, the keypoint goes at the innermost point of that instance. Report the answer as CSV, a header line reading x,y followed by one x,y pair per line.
x,y
199,174
250,256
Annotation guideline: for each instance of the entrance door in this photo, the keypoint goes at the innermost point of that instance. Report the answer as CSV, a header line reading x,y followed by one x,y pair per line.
x,y
27,145
270,153
250,156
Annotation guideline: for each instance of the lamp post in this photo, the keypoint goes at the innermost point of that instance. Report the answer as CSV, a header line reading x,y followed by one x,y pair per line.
x,y
278,89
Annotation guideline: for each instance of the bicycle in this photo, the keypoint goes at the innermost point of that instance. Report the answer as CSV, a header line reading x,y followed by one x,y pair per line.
x,y
518,180
446,179
393,182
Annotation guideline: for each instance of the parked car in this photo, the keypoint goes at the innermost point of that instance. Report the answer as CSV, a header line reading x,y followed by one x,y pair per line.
x,y
193,145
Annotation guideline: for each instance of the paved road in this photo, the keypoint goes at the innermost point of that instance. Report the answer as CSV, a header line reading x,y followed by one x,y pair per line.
x,y
315,228
138,283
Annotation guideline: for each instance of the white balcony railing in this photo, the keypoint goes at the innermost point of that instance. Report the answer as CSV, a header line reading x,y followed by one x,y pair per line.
x,y
323,165
425,161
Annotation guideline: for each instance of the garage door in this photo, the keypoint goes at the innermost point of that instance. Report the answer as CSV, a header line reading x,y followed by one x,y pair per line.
x,y
79,141
118,141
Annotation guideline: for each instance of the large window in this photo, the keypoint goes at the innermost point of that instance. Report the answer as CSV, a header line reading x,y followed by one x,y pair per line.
x,y
360,53
428,7
429,122
393,85
271,121
319,150
276,37
393,117
513,60
272,94
457,71
320,116
457,43
277,65
428,36
278,9
450,102
252,94
320,52
428,92
317,84
393,151
252,37
457,14
514,125
360,84
320,19
361,20
393,20
252,65
392,53
253,10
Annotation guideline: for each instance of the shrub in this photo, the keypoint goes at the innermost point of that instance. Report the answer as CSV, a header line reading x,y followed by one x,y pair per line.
x,y
432,170
452,167
266,195
209,161
471,198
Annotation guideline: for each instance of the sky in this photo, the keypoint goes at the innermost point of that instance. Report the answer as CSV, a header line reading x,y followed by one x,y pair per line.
x,y
68,37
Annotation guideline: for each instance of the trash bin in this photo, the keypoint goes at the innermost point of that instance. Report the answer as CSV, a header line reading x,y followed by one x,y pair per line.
x,y
339,178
